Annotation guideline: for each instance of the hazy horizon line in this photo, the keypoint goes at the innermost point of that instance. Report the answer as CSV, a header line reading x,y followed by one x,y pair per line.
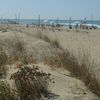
x,y
47,19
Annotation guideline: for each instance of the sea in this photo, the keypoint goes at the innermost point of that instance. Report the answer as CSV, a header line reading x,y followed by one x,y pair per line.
x,y
62,22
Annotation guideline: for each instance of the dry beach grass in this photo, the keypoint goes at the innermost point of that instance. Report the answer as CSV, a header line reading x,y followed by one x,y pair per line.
x,y
73,50
78,56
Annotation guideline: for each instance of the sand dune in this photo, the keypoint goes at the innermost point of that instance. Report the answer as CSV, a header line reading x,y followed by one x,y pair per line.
x,y
78,43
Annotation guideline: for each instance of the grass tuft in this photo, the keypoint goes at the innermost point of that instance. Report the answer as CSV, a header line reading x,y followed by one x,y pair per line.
x,y
16,49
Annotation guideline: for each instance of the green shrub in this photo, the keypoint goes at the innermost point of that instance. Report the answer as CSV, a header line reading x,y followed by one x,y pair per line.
x,y
5,92
3,57
3,62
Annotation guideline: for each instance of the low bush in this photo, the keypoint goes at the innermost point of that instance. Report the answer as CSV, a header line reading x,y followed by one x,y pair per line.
x,y
31,83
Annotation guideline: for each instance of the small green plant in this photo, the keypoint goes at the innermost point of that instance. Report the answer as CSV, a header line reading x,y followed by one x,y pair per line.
x,y
31,83
3,62
24,60
27,59
5,92
3,57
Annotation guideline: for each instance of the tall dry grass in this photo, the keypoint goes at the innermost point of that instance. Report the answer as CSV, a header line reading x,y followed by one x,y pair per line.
x,y
81,68
70,62
17,48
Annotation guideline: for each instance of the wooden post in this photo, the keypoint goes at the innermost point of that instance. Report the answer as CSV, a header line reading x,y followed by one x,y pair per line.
x,y
57,22
18,17
85,20
70,26
92,20
39,20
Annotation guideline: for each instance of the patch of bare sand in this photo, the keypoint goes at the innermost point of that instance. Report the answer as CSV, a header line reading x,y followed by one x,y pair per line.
x,y
67,86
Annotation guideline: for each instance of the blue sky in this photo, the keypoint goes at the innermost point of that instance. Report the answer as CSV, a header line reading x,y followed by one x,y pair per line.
x,y
50,9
